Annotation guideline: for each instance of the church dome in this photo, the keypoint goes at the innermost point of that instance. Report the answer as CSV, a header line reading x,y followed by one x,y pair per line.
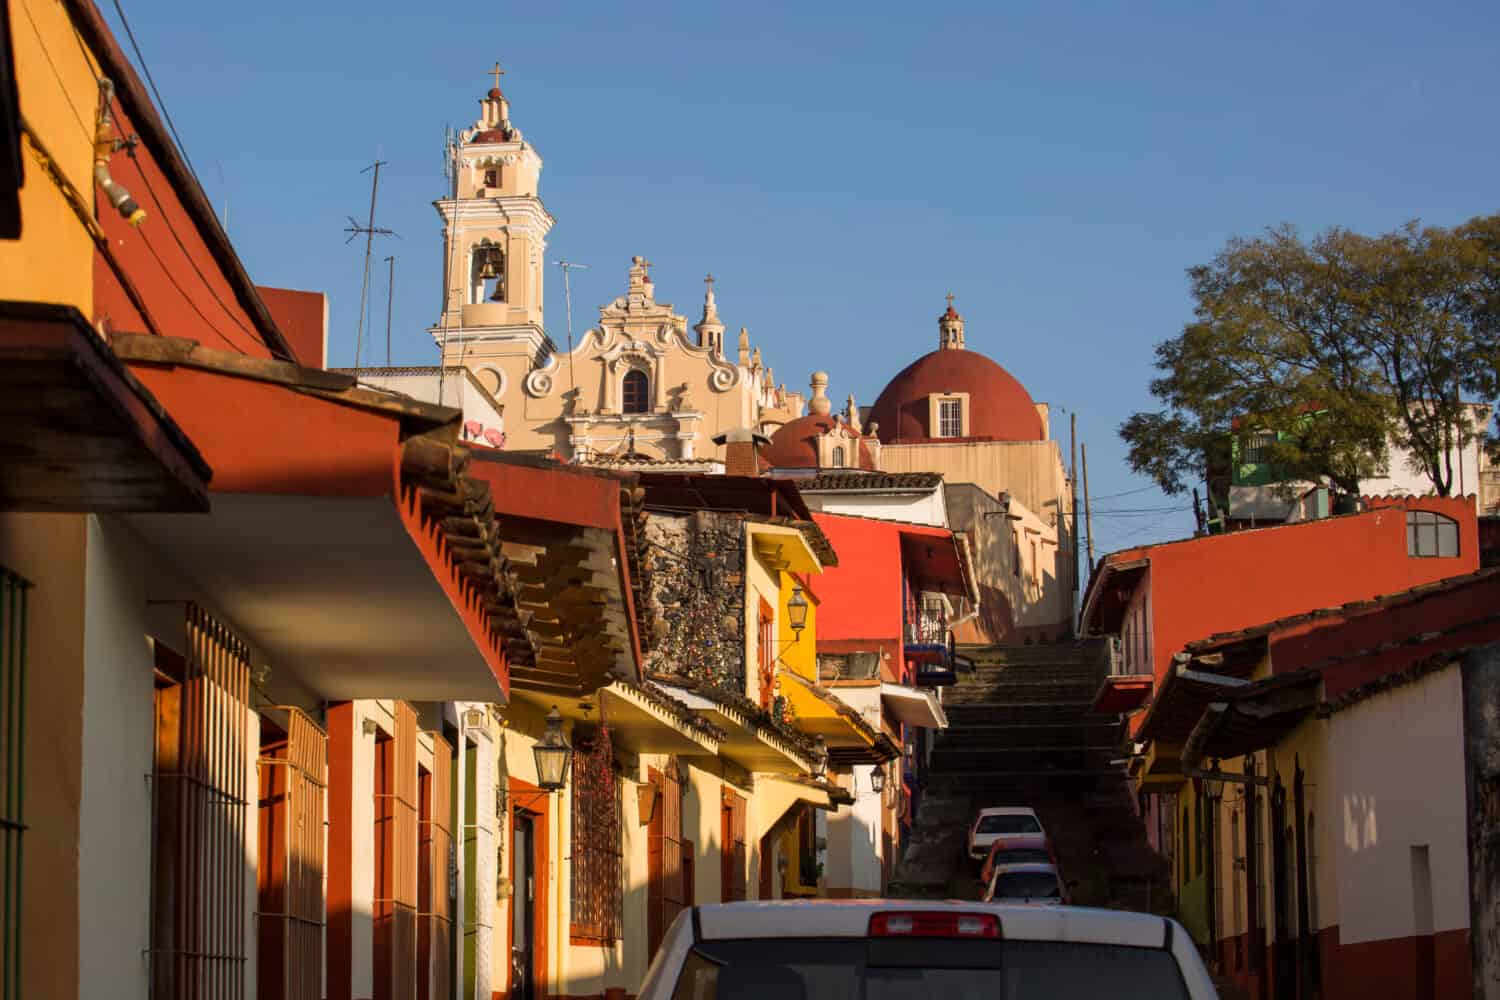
x,y
1000,408
795,444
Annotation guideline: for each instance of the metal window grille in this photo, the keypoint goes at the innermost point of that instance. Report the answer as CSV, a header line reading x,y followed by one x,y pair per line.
x,y
289,918
635,392
838,457
665,896
395,901
1430,535
733,861
205,744
13,595
1258,447
950,418
596,887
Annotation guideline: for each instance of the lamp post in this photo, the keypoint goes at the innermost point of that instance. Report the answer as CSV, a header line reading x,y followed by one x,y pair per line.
x,y
552,754
796,611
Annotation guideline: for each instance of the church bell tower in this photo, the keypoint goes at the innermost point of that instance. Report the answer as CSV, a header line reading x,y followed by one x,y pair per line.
x,y
495,240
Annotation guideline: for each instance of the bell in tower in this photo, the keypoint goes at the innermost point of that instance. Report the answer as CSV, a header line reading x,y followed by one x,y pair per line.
x,y
489,273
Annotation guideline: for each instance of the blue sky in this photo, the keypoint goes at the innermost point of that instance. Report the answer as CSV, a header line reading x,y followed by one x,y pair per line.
x,y
840,166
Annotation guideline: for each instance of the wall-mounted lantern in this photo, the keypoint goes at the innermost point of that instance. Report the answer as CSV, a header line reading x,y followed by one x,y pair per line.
x,y
552,754
796,611
877,779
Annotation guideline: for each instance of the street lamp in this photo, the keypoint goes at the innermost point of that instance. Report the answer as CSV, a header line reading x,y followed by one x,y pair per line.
x,y
796,611
820,758
552,754
877,779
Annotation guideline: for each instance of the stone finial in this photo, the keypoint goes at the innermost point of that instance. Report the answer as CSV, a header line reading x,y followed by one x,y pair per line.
x,y
755,358
950,328
744,347
851,414
819,404
710,329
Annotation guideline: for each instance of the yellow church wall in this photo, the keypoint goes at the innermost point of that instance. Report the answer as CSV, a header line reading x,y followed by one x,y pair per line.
x,y
53,259
1030,471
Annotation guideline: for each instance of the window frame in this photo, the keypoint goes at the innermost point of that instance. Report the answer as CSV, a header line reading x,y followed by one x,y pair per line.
x,y
596,895
950,418
1427,532
635,376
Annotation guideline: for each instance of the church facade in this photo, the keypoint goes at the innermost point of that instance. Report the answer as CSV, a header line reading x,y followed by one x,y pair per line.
x,y
639,389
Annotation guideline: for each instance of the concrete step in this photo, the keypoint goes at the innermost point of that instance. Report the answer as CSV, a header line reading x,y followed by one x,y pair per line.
x,y
969,760
961,715
1066,733
1015,690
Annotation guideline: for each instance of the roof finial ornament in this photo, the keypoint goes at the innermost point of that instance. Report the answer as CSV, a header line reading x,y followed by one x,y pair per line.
x,y
950,328
710,329
497,73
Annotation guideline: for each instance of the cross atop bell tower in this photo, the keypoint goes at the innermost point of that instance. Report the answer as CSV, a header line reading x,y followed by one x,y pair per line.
x,y
950,328
495,240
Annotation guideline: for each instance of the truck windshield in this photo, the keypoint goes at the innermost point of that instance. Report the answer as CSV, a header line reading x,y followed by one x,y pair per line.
x,y
892,969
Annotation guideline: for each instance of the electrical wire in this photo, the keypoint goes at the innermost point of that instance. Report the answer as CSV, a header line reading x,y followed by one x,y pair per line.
x,y
141,59
67,94
161,212
183,292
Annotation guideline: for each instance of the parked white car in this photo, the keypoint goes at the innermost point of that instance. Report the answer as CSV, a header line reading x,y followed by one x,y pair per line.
x,y
1000,821
917,949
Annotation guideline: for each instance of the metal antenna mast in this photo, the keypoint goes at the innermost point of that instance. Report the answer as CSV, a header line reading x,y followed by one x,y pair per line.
x,y
567,268
390,301
370,231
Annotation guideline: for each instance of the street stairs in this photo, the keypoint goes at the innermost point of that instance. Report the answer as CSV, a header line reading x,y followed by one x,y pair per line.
x,y
1020,733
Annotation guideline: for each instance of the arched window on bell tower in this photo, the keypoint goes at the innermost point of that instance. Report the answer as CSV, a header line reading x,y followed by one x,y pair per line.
x,y
487,274
635,392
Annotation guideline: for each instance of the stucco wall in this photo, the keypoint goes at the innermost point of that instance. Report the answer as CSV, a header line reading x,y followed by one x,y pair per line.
x,y
1023,565
49,551
1031,471
920,509
1398,759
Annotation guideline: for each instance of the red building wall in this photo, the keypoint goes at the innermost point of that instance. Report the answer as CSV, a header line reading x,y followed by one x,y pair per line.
x,y
862,594
303,318
1222,583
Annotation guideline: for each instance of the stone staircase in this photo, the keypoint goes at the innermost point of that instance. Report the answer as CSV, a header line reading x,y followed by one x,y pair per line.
x,y
1020,733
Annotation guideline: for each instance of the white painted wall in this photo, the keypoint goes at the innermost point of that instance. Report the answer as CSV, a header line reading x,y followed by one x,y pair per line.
x,y
114,840
1398,761
924,508
455,388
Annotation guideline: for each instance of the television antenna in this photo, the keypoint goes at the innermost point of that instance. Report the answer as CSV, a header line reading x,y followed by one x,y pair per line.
x,y
567,268
369,230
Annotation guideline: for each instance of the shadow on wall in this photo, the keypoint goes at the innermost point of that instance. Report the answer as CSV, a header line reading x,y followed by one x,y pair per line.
x,y
996,620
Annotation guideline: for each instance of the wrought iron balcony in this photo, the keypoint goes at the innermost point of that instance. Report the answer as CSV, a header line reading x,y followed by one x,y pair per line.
x,y
927,628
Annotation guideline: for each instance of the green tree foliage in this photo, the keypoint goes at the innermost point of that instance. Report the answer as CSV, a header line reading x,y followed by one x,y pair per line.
x,y
1338,344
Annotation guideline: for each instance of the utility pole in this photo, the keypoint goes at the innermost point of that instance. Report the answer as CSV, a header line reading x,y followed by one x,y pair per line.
x,y
567,268
1073,529
369,231
1088,511
390,301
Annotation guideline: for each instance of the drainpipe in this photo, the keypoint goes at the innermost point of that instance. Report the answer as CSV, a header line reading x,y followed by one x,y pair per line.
x,y
105,145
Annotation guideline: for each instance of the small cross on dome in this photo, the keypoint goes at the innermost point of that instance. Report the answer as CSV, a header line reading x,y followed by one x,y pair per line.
x,y
497,73
950,298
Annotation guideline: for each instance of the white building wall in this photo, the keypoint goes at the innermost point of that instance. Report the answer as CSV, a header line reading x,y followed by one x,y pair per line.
x,y
926,508
114,840
1399,766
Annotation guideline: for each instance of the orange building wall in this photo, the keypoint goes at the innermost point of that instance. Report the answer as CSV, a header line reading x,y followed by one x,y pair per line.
x,y
303,319
862,594
1226,582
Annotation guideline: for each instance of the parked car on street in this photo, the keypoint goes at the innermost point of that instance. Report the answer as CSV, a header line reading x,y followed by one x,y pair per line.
x,y
908,949
1033,884
1000,821
1019,849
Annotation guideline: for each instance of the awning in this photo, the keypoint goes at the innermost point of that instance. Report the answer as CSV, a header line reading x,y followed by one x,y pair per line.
x,y
784,547
820,712
751,744
1109,594
937,560
79,433
1253,717
1181,698
791,791
1120,694
645,719
913,706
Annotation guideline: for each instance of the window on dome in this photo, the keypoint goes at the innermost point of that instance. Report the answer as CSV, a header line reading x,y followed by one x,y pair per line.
x,y
950,418
838,457
1430,535
635,392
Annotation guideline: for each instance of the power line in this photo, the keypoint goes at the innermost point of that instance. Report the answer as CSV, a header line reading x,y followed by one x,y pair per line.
x,y
140,58
190,301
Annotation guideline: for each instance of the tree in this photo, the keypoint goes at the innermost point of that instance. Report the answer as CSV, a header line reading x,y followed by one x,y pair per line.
x,y
1333,347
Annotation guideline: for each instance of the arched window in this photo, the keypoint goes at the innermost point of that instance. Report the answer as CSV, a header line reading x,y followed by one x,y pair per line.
x,y
635,392
1430,535
487,274
838,457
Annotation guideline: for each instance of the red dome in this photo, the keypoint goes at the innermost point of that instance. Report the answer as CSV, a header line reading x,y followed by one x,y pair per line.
x,y
795,444
1000,408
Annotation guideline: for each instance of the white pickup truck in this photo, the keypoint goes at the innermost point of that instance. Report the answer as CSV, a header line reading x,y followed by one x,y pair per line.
x,y
918,950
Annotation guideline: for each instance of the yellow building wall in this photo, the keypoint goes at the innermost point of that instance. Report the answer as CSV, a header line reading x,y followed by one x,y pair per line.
x,y
799,652
49,550
1030,471
53,260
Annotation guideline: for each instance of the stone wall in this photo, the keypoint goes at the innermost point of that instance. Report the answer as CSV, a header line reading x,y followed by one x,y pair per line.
x,y
697,594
